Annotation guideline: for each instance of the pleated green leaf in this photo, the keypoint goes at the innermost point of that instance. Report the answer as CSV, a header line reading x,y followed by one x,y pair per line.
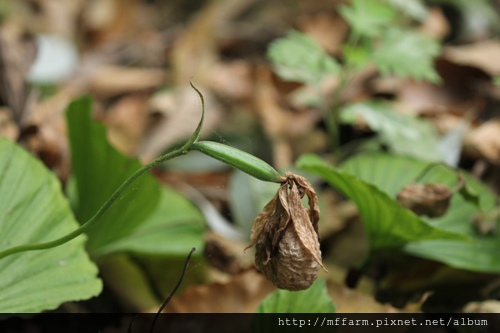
x,y
147,218
174,228
98,170
391,173
387,222
34,210
312,300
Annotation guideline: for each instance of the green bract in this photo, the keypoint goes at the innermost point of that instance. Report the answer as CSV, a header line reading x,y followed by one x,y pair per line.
x,y
240,160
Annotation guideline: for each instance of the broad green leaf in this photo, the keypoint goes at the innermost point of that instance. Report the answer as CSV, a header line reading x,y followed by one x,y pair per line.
x,y
368,17
402,133
407,54
391,173
313,300
172,229
98,170
387,222
413,8
470,195
33,210
300,58
481,255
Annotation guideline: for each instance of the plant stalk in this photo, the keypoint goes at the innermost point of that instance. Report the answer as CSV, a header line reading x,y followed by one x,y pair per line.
x,y
109,203
77,232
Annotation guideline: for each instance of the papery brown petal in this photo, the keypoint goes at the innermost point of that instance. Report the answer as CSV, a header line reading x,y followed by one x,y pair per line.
x,y
312,199
282,215
293,267
259,224
303,226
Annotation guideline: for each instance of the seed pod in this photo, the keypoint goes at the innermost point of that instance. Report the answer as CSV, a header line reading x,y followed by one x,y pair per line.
x,y
286,236
239,159
432,200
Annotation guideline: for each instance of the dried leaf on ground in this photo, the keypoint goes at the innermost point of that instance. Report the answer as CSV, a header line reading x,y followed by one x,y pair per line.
x,y
436,25
17,53
478,55
113,19
180,111
8,128
281,124
328,29
127,120
110,81
49,16
227,255
491,306
352,301
484,141
232,79
242,294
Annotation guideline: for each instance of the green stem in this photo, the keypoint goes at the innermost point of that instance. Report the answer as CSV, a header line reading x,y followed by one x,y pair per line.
x,y
77,232
107,205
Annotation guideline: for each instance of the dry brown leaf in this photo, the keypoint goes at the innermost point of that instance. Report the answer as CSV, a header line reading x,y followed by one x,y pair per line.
x,y
48,16
17,54
484,141
232,80
242,294
110,81
179,110
195,52
227,255
352,301
286,236
436,25
432,200
328,29
127,120
112,19
8,128
482,55
280,124
490,306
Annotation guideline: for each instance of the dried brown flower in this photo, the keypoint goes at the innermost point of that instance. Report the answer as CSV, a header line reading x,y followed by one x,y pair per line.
x,y
286,236
432,200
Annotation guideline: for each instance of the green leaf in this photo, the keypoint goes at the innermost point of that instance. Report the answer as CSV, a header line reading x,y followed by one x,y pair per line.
x,y
98,170
34,210
368,17
402,133
391,173
174,228
407,54
356,56
387,222
300,58
480,255
413,8
313,300
470,195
